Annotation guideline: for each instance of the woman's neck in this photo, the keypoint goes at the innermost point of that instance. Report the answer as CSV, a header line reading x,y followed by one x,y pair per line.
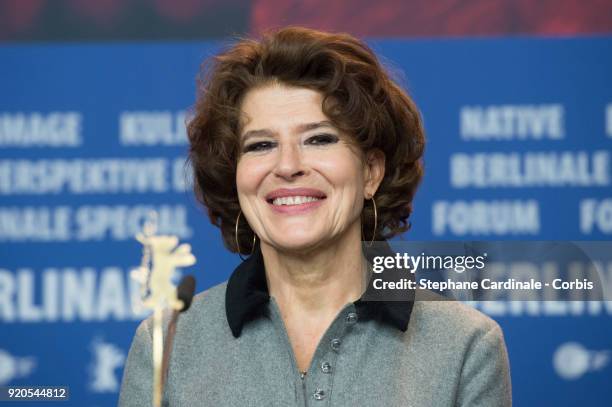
x,y
320,281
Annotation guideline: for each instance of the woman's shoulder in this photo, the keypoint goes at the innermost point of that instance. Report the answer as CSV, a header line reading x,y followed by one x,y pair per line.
x,y
468,344
211,297
207,308
438,316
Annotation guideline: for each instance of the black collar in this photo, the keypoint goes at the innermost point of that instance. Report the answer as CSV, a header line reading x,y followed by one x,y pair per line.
x,y
247,295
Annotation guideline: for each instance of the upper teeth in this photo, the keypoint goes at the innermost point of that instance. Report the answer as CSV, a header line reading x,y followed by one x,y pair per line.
x,y
293,200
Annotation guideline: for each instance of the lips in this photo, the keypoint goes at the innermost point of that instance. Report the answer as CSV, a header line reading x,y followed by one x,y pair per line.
x,y
286,199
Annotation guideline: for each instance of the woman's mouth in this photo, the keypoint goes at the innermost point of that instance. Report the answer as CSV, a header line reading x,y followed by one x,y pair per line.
x,y
295,200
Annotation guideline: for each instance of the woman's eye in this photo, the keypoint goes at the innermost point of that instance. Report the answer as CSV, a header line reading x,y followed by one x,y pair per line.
x,y
322,139
258,146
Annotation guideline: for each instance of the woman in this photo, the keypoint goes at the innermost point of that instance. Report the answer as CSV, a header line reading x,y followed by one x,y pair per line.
x,y
302,147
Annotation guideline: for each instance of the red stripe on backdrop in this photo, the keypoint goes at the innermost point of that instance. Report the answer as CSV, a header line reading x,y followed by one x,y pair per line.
x,y
390,18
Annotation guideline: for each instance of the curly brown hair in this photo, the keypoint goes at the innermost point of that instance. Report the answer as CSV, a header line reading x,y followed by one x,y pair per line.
x,y
359,97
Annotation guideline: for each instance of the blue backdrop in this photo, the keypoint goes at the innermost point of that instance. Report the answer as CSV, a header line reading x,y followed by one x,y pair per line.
x,y
92,137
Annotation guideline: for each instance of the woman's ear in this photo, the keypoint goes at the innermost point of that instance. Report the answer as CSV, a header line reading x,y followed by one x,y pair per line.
x,y
374,171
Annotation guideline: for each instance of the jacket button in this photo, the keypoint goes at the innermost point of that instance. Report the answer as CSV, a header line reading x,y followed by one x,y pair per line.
x,y
326,367
335,344
319,394
351,318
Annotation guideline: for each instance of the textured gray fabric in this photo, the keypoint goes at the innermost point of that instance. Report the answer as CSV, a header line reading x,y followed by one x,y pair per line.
x,y
451,355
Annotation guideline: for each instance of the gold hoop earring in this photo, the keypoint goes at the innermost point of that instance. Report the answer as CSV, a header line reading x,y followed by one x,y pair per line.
x,y
236,237
375,223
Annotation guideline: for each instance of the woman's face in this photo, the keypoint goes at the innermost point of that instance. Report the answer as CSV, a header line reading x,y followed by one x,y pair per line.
x,y
300,183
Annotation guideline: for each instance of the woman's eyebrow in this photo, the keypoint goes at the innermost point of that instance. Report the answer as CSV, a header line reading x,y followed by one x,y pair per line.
x,y
256,133
300,128
315,125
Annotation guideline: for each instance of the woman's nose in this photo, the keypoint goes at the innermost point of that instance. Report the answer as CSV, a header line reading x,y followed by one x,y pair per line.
x,y
289,162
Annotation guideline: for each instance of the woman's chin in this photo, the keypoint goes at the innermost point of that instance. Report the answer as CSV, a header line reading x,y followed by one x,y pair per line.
x,y
293,242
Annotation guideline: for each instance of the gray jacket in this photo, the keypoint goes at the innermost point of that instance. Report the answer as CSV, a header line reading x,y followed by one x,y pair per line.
x,y
231,349
447,355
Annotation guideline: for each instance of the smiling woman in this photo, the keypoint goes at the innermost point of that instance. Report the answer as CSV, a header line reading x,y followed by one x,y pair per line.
x,y
352,94
303,147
